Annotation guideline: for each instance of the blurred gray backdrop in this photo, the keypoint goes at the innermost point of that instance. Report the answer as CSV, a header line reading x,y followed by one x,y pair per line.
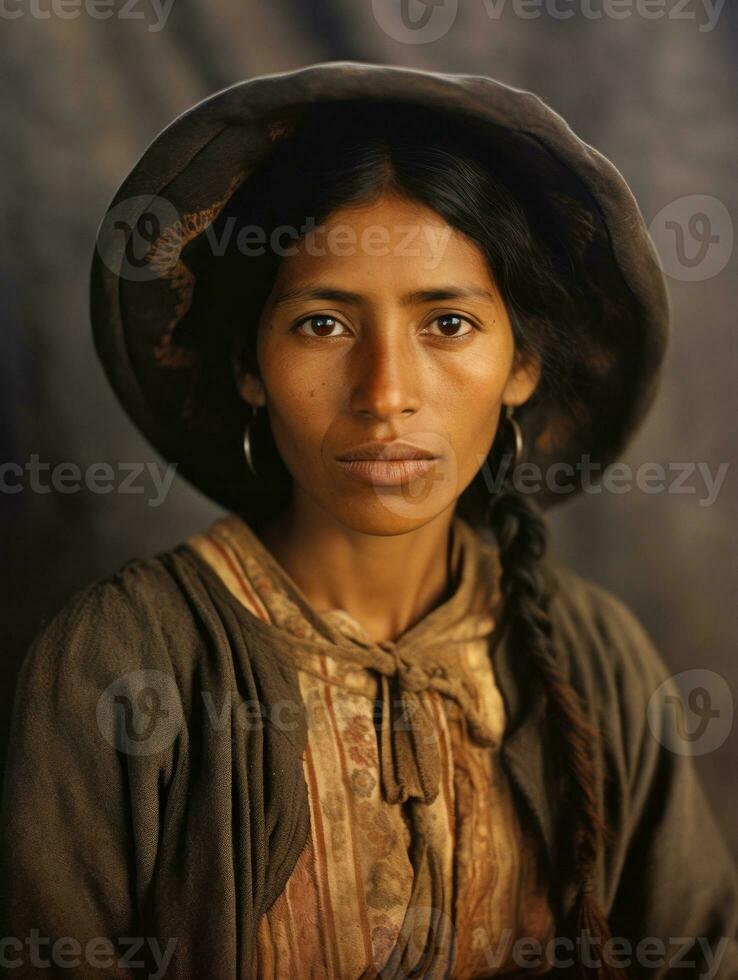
x,y
83,95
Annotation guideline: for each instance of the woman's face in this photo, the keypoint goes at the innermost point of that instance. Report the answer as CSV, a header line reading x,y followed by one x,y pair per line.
x,y
385,325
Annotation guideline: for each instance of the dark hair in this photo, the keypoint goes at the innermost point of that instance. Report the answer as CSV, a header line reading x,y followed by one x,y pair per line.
x,y
350,154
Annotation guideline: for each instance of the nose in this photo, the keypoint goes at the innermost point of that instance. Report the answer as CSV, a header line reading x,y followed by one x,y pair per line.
x,y
384,381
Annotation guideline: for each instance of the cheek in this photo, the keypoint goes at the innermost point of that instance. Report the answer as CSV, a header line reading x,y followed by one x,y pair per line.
x,y
471,425
471,402
301,408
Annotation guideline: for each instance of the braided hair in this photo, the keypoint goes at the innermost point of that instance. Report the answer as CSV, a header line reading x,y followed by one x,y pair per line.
x,y
351,154
521,534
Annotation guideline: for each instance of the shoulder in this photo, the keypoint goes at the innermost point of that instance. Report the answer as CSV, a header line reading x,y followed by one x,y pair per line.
x,y
133,598
599,624
111,628
169,614
607,653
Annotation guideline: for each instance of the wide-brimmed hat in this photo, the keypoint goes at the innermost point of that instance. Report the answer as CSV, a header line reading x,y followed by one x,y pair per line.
x,y
142,286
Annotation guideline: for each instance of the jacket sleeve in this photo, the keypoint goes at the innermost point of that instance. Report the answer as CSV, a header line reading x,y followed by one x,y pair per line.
x,y
73,854
677,890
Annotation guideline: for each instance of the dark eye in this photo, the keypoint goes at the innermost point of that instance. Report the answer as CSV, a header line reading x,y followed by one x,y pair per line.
x,y
450,324
320,325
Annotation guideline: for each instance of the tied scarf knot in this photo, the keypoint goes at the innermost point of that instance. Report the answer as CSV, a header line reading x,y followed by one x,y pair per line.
x,y
409,750
412,677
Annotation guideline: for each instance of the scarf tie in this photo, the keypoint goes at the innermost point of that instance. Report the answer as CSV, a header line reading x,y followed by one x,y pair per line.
x,y
409,757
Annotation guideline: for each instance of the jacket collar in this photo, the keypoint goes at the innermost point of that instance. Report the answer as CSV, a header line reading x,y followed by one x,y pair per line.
x,y
526,750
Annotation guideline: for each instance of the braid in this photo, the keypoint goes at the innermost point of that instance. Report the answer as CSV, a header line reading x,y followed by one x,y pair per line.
x,y
522,538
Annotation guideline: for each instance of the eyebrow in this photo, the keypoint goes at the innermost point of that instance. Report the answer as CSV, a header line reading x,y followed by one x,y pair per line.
x,y
466,291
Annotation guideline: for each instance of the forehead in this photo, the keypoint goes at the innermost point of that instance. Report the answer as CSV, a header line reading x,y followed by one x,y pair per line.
x,y
391,243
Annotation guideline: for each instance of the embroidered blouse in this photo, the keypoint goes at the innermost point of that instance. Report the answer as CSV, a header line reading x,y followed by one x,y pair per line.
x,y
416,857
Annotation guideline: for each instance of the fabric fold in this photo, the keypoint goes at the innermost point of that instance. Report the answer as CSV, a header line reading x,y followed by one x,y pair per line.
x,y
408,742
424,657
426,944
415,859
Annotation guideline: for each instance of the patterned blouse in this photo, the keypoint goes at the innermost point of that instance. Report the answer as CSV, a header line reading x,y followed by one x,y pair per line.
x,y
443,882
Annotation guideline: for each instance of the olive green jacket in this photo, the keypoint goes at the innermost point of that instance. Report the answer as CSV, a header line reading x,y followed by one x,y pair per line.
x,y
154,848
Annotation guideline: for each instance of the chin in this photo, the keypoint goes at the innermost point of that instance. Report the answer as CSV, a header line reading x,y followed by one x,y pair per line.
x,y
387,513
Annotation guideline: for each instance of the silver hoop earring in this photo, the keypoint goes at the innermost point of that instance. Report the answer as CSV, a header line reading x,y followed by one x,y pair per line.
x,y
517,435
247,442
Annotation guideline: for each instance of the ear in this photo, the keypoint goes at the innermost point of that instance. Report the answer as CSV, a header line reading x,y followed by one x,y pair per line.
x,y
522,380
251,389
248,385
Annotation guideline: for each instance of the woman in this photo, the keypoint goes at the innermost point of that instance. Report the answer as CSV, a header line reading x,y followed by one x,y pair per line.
x,y
361,726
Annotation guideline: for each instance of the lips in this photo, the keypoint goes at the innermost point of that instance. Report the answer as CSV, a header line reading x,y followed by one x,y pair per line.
x,y
386,472
386,451
387,464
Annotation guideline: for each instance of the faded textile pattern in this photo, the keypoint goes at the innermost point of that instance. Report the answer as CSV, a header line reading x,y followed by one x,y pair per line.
x,y
353,891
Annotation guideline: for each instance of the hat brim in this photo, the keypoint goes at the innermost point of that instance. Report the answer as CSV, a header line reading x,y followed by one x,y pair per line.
x,y
141,287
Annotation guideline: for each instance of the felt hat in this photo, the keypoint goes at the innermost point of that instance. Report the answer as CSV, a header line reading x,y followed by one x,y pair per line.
x,y
142,283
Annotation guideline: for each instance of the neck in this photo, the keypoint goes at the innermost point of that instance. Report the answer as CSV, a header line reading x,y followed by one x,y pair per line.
x,y
386,582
